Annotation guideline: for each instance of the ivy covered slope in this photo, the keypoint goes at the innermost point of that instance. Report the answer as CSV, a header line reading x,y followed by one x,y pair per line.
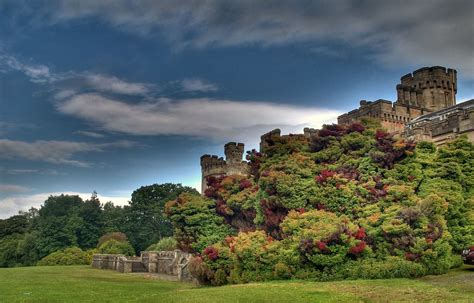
x,y
351,202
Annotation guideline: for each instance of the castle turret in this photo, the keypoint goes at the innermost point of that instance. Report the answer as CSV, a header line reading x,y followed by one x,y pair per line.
x,y
211,165
215,166
429,88
233,152
268,138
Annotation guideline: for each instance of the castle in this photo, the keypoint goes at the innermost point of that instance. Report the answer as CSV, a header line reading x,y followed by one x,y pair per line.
x,y
212,165
426,90
425,110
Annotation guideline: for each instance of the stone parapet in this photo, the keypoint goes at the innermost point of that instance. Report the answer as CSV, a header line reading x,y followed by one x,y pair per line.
x,y
174,263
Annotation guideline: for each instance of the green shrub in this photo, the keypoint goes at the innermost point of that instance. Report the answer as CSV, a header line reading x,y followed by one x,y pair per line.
x,y
117,236
116,247
348,202
68,256
281,271
165,244
393,267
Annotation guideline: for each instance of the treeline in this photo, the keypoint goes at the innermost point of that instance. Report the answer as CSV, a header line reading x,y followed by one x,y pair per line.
x,y
67,221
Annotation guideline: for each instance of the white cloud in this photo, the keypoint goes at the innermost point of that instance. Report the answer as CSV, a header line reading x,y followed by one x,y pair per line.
x,y
12,188
433,32
36,72
10,205
65,93
57,152
215,119
77,81
197,85
21,171
90,134
113,84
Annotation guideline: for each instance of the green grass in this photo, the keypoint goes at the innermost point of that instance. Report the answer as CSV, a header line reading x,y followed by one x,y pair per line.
x,y
84,284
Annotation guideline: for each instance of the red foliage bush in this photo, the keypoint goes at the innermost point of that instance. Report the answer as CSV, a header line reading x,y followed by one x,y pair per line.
x,y
321,245
358,249
255,159
211,252
360,234
245,184
355,127
333,130
380,135
324,175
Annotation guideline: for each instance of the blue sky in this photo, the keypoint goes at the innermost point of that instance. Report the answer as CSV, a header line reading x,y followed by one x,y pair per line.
x,y
110,95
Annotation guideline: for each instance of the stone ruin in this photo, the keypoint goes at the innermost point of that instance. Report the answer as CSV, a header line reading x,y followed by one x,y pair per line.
x,y
171,263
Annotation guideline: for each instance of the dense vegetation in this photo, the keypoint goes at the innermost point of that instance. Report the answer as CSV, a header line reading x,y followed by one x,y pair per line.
x,y
350,202
66,228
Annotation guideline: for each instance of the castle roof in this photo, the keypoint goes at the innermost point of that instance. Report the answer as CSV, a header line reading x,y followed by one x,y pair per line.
x,y
449,110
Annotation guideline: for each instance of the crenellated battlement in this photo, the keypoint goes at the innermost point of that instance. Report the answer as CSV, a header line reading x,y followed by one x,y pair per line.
x,y
268,138
430,88
233,152
209,162
426,90
212,165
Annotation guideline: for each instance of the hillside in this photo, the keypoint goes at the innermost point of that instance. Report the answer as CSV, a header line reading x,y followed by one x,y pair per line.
x,y
349,202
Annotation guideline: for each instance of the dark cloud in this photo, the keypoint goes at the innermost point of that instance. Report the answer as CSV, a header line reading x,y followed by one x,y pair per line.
x,y
425,32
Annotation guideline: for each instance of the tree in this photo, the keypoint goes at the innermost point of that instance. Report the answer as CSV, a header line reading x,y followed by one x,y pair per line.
x,y
145,222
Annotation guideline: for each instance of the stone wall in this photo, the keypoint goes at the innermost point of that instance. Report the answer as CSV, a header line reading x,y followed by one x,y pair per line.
x,y
392,116
212,165
268,139
431,88
443,126
173,263
426,90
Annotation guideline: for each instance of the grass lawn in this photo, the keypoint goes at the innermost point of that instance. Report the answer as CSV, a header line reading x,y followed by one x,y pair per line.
x,y
84,284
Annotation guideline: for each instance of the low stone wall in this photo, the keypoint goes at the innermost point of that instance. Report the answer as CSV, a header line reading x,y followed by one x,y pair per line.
x,y
174,263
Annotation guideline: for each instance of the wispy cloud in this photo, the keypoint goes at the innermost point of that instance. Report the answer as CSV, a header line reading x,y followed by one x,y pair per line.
x,y
22,171
76,81
12,188
215,119
198,85
113,84
388,30
57,152
90,134
37,73
10,205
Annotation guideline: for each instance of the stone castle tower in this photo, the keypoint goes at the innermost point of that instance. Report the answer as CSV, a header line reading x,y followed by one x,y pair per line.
x,y
426,90
212,165
430,88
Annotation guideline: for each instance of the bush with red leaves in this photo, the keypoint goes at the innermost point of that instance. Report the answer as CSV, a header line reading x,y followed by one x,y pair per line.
x,y
324,175
245,183
358,249
255,159
211,252
322,246
355,127
360,234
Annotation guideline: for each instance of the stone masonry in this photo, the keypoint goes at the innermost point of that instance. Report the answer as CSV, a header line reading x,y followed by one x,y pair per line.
x,y
426,90
212,165
171,263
